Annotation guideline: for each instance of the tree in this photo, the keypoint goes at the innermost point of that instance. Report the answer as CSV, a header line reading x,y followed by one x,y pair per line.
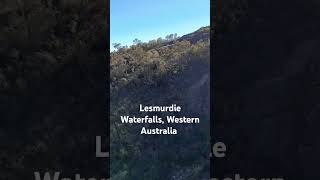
x,y
175,36
136,41
171,37
159,40
116,45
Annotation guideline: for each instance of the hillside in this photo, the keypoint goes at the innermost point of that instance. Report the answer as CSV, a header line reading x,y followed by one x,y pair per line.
x,y
201,34
161,73
52,80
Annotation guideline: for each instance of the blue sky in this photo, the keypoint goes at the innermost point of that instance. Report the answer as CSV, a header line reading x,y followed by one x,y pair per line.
x,y
150,19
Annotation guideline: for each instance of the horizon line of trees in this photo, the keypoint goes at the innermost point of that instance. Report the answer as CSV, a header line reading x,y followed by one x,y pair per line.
x,y
137,42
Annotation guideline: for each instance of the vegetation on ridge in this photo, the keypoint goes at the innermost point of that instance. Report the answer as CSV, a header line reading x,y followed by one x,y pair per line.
x,y
160,72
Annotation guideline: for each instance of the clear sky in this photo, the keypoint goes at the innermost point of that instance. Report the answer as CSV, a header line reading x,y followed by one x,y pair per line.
x,y
151,19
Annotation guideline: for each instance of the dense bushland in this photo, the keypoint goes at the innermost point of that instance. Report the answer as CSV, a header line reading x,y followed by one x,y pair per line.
x,y
161,72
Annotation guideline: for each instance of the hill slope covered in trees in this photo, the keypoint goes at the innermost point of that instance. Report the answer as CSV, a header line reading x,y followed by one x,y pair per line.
x,y
161,72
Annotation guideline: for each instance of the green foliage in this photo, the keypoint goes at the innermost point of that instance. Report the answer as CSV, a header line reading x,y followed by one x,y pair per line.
x,y
158,72
147,63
